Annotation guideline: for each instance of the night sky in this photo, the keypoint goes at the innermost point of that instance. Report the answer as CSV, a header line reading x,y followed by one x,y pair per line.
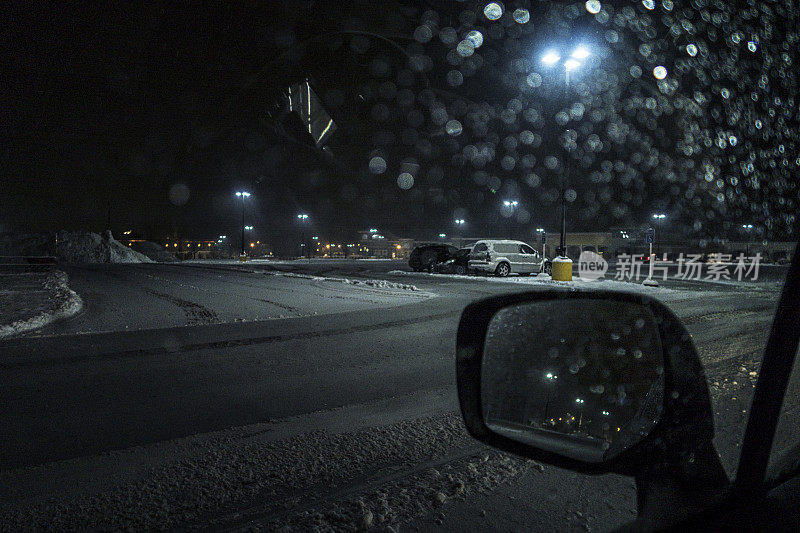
x,y
151,115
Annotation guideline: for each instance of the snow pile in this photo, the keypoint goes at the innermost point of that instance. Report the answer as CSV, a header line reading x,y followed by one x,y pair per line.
x,y
375,283
154,251
72,247
32,300
84,247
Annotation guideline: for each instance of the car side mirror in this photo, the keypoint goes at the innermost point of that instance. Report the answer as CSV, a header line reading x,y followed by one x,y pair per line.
x,y
592,381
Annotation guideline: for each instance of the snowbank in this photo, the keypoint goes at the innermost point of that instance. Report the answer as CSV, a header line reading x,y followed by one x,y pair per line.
x,y
72,247
32,300
545,280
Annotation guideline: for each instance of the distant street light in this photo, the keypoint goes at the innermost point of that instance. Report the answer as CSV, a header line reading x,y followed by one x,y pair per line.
x,y
242,195
248,228
442,235
659,216
460,221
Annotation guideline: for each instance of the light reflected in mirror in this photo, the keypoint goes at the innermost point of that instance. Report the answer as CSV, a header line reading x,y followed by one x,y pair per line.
x,y
579,377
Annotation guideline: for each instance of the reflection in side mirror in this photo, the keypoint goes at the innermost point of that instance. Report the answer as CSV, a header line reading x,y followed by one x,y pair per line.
x,y
583,378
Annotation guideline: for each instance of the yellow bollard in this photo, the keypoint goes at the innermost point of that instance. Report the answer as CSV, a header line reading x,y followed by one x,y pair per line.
x,y
562,269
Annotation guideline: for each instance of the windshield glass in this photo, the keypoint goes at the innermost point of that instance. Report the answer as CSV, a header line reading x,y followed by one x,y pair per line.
x,y
225,232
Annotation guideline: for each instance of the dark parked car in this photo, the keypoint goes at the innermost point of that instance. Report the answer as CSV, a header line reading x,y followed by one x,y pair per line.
x,y
458,264
427,256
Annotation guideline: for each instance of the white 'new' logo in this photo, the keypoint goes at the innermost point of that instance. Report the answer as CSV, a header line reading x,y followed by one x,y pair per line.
x,y
591,266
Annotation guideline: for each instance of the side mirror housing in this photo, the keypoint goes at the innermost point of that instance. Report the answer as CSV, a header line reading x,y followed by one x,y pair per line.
x,y
591,381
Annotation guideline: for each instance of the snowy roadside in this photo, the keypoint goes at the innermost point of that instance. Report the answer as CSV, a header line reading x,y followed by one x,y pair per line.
x,y
31,300
332,474
543,280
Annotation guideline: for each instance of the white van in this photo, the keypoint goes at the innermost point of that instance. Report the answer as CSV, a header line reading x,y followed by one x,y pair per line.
x,y
503,257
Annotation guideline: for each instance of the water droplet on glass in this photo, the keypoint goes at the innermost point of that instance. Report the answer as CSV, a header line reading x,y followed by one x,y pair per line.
x,y
377,165
423,33
405,181
521,16
453,127
597,389
691,50
574,368
534,79
465,48
476,38
493,11
593,6
660,72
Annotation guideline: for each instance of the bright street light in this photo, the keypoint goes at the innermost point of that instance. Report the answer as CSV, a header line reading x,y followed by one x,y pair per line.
x,y
550,57
581,53
302,216
510,203
659,216
243,194
571,64
248,228
747,226
578,400
442,235
460,221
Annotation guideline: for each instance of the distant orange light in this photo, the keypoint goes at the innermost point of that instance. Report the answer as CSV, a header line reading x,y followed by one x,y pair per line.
x,y
398,246
252,245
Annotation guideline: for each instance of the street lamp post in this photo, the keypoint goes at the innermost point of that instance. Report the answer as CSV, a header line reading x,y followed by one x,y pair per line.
x,y
747,228
659,218
242,195
512,206
551,58
302,217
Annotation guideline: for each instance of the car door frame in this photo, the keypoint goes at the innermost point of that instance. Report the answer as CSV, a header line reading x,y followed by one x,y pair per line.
x,y
513,257
531,263
773,379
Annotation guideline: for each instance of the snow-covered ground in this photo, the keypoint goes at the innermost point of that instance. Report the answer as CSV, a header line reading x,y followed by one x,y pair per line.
x,y
33,299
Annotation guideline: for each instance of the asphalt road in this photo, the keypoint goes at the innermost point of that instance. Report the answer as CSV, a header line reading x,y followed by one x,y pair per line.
x,y
169,365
